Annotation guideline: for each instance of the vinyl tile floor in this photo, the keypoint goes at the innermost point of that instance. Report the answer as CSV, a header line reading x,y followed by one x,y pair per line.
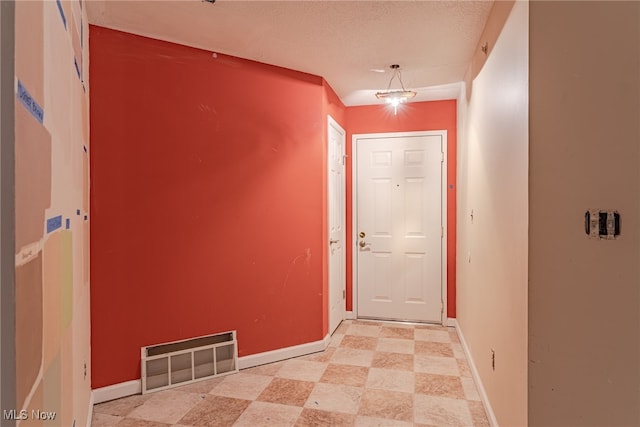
x,y
372,374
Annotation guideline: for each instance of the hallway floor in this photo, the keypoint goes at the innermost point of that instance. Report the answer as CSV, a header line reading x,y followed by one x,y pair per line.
x,y
372,374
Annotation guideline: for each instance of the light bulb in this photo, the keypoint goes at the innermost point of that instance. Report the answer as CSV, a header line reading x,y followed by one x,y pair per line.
x,y
395,102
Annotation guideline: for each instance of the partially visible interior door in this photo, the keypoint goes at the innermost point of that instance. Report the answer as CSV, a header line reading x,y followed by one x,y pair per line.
x,y
399,227
336,220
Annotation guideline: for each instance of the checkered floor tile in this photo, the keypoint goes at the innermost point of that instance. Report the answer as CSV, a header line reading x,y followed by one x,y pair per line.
x,y
372,374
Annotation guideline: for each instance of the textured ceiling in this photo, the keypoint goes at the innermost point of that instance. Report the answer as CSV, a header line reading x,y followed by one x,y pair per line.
x,y
343,41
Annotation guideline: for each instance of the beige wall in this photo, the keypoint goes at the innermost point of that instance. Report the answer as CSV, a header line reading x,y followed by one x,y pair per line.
x,y
492,248
51,181
584,331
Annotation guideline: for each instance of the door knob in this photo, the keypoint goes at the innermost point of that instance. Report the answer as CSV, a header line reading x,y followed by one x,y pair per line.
x,y
362,243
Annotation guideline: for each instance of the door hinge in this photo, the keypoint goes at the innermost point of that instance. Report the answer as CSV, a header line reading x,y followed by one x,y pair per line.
x,y
344,294
441,157
441,232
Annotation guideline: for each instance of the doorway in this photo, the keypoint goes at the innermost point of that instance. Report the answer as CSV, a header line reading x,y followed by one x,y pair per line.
x,y
399,224
336,223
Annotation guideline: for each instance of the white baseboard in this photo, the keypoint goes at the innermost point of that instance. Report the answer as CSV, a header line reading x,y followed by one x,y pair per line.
x,y
326,341
283,353
90,410
350,315
476,377
451,322
129,388
116,391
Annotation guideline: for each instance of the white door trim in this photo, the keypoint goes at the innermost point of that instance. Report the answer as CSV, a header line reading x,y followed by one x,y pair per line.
x,y
354,211
331,122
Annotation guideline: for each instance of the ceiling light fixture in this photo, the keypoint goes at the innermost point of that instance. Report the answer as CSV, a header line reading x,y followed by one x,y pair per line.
x,y
395,97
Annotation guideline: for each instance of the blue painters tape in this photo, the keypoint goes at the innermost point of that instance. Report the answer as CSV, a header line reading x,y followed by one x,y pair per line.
x,y
77,211
29,103
64,20
68,225
75,62
54,223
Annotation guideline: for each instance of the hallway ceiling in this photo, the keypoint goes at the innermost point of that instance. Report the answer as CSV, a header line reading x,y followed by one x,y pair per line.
x,y
349,43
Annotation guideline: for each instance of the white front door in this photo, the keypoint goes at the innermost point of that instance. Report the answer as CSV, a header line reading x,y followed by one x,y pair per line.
x,y
399,228
336,219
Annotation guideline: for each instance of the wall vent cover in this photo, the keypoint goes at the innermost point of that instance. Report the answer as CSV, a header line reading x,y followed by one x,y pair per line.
x,y
187,361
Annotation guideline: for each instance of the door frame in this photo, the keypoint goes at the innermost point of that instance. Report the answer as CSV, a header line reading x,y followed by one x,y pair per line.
x,y
331,122
354,211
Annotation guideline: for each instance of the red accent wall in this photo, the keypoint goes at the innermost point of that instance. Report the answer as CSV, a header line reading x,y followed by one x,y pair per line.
x,y
418,116
334,106
208,198
207,201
